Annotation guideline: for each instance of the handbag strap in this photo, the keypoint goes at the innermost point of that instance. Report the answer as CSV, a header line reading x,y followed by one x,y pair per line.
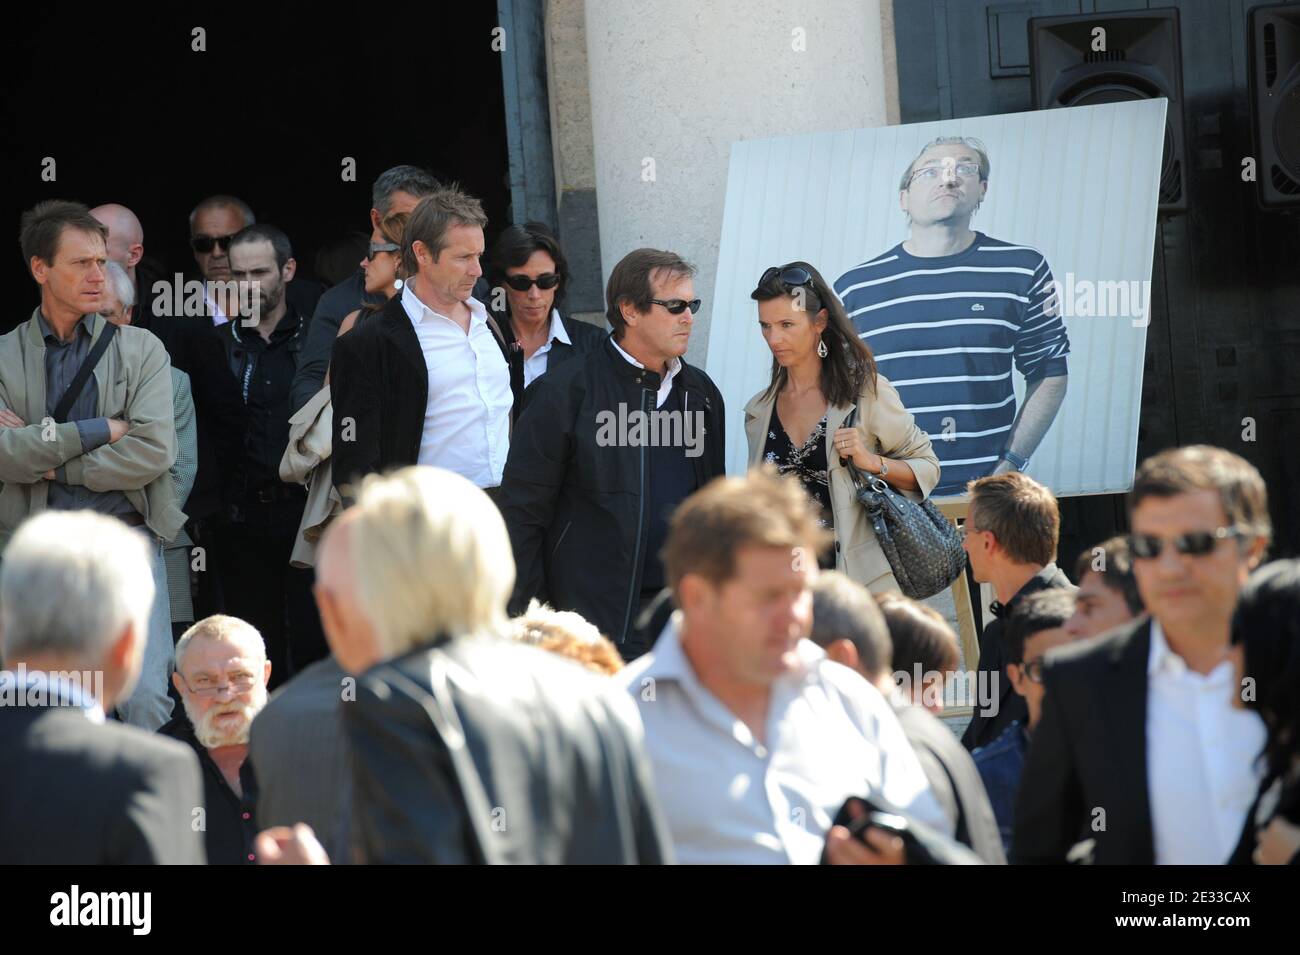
x,y
79,380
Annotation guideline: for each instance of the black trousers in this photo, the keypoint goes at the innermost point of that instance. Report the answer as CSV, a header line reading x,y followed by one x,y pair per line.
x,y
259,586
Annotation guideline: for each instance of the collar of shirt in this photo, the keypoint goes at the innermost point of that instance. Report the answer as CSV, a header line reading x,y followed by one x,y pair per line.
x,y
84,324
419,312
558,332
670,662
1162,659
666,385
56,688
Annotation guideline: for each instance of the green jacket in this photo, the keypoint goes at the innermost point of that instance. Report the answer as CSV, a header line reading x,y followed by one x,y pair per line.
x,y
134,382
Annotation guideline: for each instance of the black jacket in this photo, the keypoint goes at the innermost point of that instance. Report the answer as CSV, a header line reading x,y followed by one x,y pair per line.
x,y
379,385
556,772
956,782
575,509
194,347
1089,752
79,794
983,730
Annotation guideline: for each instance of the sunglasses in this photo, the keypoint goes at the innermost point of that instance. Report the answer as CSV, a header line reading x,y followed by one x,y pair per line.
x,y
790,276
522,283
376,247
1193,544
675,306
203,244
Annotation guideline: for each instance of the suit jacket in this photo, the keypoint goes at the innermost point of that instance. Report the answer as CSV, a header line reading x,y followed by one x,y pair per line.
x,y
891,431
380,383
78,793
956,782
983,730
557,766
1089,752
298,754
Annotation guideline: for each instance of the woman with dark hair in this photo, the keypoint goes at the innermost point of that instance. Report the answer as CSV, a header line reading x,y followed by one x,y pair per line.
x,y
1266,652
383,267
821,372
529,265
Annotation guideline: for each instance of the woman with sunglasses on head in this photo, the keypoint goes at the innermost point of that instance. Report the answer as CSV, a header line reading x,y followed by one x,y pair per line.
x,y
529,265
1265,651
822,372
383,268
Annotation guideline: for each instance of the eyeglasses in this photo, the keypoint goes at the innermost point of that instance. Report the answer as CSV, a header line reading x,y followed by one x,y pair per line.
x,y
1193,544
203,244
376,247
522,283
241,684
963,170
676,306
1033,669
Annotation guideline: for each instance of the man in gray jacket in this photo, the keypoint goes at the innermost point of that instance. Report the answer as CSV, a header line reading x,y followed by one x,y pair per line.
x,y
102,443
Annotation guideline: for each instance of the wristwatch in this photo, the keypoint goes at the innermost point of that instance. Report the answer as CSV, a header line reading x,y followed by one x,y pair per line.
x,y
1015,460
884,466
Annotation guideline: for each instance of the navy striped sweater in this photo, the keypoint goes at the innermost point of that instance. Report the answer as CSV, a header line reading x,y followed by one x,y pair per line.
x,y
946,331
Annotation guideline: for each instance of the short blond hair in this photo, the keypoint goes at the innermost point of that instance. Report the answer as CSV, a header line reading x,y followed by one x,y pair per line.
x,y
567,633
430,556
220,626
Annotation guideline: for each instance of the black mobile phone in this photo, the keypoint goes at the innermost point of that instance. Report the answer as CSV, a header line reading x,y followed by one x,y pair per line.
x,y
889,822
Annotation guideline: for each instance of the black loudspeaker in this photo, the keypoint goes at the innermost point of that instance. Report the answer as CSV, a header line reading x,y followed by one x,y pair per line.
x,y
1273,42
1090,59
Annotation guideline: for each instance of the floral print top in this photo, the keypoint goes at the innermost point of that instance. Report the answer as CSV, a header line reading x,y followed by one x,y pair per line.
x,y
808,464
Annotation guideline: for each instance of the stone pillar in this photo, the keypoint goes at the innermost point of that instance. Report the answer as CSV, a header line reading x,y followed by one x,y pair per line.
x,y
673,83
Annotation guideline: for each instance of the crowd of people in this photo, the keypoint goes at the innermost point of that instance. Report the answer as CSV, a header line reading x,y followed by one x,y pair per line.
x,y
420,568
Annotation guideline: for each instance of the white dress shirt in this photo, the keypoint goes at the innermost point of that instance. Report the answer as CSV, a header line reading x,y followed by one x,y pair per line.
x,y
666,385
1201,770
218,316
467,418
730,799
535,365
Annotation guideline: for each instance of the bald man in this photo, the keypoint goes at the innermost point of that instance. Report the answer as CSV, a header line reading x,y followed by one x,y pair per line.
x,y
193,348
125,236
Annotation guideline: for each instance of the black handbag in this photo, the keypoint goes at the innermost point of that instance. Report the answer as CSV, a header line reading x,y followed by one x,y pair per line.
x,y
923,547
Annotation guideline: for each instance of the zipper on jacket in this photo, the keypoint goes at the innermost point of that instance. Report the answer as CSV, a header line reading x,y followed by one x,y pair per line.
x,y
636,549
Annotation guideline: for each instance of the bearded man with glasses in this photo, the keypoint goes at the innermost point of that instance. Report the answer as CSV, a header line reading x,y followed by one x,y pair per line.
x,y
221,675
1140,750
949,311
606,448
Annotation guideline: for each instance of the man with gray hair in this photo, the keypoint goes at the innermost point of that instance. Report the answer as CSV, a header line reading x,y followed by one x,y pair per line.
x,y
398,189
949,311
466,746
427,379
221,675
213,223
75,596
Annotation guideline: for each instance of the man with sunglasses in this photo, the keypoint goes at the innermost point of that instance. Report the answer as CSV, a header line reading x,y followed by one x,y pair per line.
x,y
596,466
1036,625
213,224
950,311
1140,750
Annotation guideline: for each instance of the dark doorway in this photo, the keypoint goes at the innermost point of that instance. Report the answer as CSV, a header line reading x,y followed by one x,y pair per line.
x,y
130,113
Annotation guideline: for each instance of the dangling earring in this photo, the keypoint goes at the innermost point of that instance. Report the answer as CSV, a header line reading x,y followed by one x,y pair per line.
x,y
397,284
822,350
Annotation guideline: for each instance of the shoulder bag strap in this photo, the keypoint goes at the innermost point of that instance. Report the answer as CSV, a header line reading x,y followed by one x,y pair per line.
x,y
83,373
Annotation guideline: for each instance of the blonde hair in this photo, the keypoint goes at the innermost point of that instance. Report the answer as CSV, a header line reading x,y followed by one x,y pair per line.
x,y
219,626
430,557
567,633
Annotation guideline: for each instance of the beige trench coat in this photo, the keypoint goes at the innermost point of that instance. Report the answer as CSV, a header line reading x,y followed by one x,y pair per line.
x,y
890,431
